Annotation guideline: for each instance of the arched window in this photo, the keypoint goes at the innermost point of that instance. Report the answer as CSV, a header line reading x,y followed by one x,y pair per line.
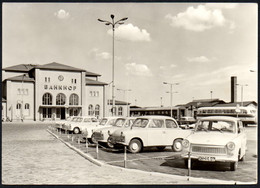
x,y
90,110
120,111
18,106
74,99
27,109
60,99
47,99
97,110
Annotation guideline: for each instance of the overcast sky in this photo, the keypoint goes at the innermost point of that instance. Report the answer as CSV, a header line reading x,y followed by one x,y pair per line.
x,y
199,46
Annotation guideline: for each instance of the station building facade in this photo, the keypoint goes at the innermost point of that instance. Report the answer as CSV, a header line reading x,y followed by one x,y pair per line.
x,y
51,92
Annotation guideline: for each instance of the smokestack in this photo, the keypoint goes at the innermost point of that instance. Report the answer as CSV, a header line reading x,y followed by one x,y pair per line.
x,y
233,89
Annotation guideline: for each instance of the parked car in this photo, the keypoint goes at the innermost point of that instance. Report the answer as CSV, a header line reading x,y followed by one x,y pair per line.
x,y
147,131
216,139
187,122
101,135
105,122
59,123
79,123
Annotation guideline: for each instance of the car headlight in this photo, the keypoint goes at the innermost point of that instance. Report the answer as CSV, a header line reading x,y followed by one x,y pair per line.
x,y
185,143
231,146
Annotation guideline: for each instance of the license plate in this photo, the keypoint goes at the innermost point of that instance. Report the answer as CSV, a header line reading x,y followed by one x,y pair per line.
x,y
207,158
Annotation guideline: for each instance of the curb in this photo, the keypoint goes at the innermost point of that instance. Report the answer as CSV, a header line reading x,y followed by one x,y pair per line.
x,y
188,180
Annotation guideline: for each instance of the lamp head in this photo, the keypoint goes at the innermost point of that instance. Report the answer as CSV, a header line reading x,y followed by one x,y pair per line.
x,y
112,16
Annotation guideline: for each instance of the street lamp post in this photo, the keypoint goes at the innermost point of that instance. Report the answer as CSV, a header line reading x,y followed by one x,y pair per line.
x,y
242,86
113,23
125,90
171,84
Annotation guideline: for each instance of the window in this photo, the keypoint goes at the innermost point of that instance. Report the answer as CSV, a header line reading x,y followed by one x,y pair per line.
x,y
90,93
156,123
46,112
97,109
74,99
120,111
60,99
90,110
18,106
47,99
27,109
170,124
19,91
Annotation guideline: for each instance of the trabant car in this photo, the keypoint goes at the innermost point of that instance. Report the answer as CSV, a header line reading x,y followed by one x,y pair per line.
x,y
105,122
216,139
58,124
80,123
147,131
187,122
101,135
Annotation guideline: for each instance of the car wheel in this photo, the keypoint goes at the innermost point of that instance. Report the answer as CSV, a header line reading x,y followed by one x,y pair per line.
x,y
76,130
135,146
160,148
177,145
233,166
93,139
109,144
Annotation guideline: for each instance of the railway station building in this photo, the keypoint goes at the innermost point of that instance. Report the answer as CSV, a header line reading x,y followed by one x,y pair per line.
x,y
53,91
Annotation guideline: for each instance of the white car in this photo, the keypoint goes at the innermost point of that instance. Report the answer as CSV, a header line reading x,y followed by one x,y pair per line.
x,y
58,124
147,131
105,122
216,139
101,135
80,123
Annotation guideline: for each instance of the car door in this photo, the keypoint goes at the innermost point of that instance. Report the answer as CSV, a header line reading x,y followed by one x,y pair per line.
x,y
171,131
242,137
155,131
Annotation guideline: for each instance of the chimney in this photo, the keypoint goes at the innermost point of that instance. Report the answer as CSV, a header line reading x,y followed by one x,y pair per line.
x,y
233,89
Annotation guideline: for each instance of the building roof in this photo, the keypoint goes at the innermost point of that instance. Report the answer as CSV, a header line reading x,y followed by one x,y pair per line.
x,y
155,108
22,78
58,66
20,67
94,82
49,66
204,103
245,103
109,102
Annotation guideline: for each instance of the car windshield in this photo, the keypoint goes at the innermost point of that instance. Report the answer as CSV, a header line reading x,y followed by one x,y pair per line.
x,y
119,122
140,122
79,119
74,119
103,121
87,120
216,125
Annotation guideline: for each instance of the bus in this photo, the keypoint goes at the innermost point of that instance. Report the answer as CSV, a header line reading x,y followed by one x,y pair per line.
x,y
248,115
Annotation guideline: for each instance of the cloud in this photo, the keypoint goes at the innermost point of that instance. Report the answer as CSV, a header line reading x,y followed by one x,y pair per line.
x,y
138,69
165,68
131,33
200,59
95,53
62,14
199,19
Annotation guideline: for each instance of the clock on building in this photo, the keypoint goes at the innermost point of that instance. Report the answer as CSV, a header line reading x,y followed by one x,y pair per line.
x,y
60,77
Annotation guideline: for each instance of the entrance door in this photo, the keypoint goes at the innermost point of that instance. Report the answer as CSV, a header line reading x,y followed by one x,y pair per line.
x,y
62,113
